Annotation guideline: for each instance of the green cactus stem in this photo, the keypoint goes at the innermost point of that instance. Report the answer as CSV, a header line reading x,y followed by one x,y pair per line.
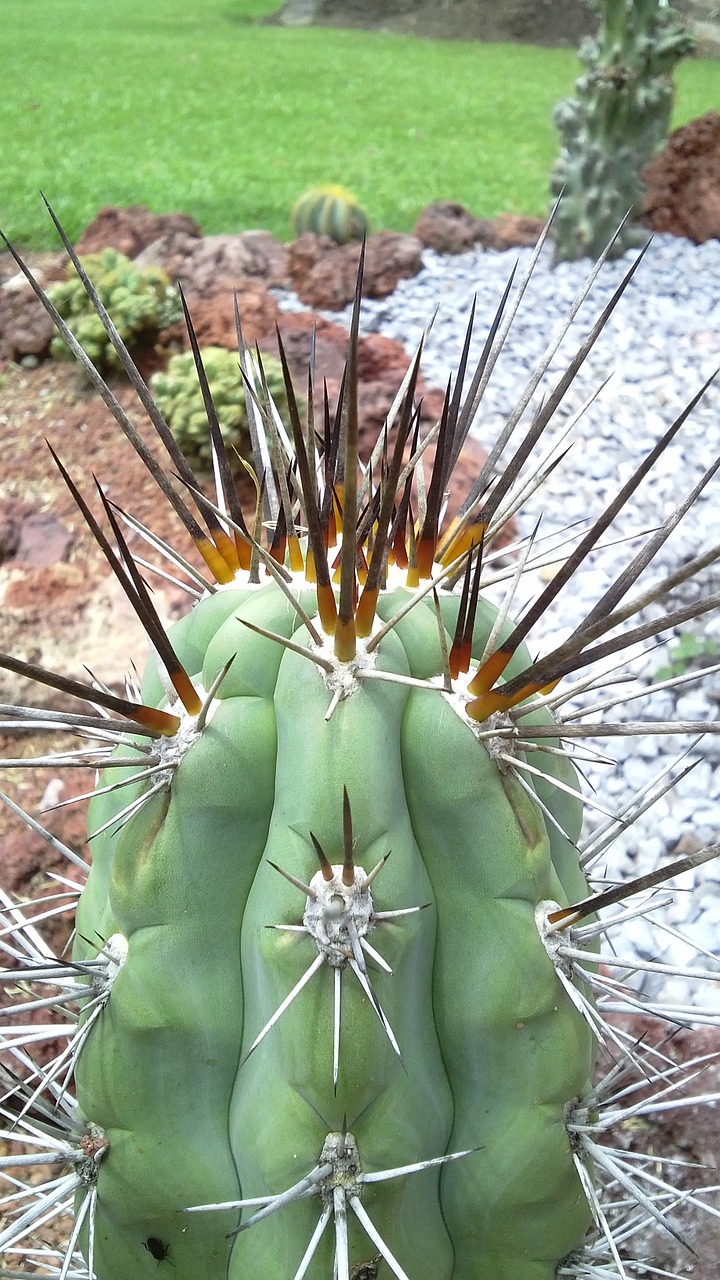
x,y
618,119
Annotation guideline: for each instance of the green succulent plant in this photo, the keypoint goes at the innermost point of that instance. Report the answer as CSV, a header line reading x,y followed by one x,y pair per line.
x,y
330,211
140,303
618,119
179,398
334,999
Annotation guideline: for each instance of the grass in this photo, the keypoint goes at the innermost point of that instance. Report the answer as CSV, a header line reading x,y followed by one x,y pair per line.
x,y
191,107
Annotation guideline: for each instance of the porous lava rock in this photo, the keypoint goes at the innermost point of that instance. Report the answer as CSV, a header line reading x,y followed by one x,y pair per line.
x,y
464,474
25,326
214,263
382,365
132,229
171,252
682,182
448,227
31,538
213,316
323,273
513,231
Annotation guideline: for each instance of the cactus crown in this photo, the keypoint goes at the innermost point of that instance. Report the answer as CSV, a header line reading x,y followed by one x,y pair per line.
x,y
343,721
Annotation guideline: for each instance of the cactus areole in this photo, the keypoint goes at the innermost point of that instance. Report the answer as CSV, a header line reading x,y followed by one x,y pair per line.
x,y
333,1025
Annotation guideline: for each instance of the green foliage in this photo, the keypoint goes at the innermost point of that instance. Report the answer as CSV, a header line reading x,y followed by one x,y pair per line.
x,y
405,121
139,302
689,652
179,398
615,124
330,211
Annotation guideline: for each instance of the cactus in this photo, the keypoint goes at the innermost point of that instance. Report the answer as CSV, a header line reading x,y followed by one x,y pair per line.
x,y
179,398
615,124
330,211
336,958
140,302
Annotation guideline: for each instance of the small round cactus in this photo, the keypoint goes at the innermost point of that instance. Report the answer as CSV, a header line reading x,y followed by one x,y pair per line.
x,y
330,211
140,303
179,398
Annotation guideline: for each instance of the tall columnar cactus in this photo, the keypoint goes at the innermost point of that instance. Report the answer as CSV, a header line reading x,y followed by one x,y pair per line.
x,y
615,124
335,961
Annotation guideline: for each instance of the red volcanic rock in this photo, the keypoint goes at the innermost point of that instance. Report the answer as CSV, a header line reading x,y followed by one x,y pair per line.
x,y
25,326
30,538
206,266
133,229
450,228
447,227
213,316
382,365
323,273
172,252
382,362
465,473
513,231
682,182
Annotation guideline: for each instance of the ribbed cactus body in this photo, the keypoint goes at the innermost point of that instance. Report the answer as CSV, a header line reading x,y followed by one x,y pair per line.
x,y
330,211
489,1050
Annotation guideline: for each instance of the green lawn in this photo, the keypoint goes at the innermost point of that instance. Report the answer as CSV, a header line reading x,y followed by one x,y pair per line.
x,y
190,106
